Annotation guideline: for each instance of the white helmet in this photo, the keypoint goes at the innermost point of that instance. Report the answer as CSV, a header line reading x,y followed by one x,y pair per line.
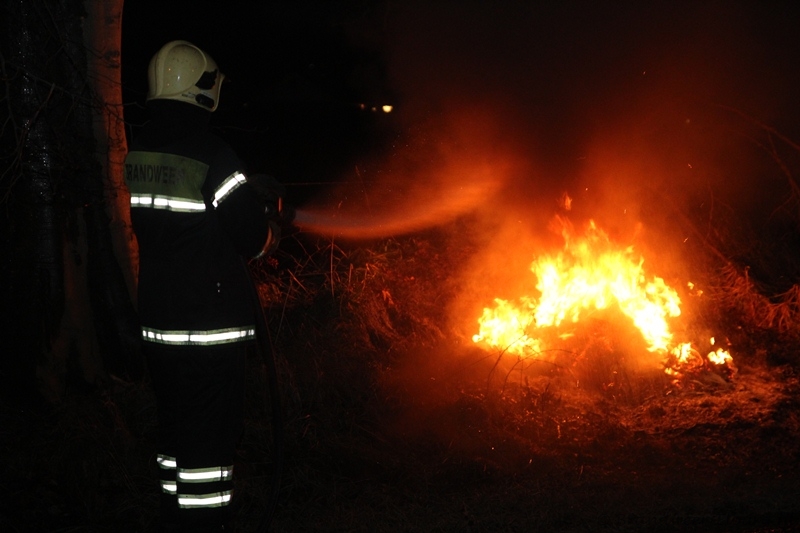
x,y
181,71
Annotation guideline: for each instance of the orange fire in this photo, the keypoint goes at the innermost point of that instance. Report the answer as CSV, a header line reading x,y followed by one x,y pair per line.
x,y
590,274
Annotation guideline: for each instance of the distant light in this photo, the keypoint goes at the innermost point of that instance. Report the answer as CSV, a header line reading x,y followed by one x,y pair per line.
x,y
386,108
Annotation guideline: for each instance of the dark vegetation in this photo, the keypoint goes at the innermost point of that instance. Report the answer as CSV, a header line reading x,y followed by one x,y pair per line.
x,y
394,424
394,421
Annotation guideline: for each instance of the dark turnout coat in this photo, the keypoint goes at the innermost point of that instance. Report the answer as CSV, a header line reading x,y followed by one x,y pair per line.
x,y
194,217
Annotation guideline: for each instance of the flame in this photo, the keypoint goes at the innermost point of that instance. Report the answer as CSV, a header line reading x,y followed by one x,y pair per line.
x,y
588,275
720,357
504,327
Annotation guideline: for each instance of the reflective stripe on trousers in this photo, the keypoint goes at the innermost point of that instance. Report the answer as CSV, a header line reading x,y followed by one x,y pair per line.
x,y
195,488
205,501
204,487
167,468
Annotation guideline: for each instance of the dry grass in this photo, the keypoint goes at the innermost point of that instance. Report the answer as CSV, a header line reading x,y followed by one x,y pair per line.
x,y
737,291
392,429
392,426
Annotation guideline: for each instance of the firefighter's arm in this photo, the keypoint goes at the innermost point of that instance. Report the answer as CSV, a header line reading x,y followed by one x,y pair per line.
x,y
279,215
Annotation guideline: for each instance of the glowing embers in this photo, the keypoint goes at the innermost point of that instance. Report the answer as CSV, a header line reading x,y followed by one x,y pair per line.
x,y
589,275
686,359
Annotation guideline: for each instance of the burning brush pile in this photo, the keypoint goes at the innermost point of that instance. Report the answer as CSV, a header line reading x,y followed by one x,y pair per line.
x,y
594,396
592,281
564,369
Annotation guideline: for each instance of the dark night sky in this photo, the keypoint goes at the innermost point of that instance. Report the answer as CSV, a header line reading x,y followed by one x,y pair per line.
x,y
557,79
293,76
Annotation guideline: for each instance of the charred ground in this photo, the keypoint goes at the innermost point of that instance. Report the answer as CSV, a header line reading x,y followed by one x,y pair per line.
x,y
394,424
394,421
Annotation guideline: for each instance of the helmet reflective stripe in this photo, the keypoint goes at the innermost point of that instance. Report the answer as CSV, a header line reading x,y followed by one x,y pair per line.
x,y
199,338
169,204
166,462
205,475
214,499
169,487
228,186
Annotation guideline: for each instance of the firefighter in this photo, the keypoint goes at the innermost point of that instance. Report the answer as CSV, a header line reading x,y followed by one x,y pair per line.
x,y
195,215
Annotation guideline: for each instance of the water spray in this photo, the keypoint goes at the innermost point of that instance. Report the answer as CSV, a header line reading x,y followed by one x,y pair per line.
x,y
416,211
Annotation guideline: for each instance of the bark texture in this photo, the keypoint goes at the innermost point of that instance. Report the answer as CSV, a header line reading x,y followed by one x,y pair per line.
x,y
113,264
103,40
65,304
33,273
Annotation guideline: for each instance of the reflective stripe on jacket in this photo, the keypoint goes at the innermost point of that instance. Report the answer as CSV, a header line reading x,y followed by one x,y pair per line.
x,y
173,182
198,338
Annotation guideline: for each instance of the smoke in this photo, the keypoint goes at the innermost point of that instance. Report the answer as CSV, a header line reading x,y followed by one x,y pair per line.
x,y
506,107
621,102
502,108
636,113
444,171
626,110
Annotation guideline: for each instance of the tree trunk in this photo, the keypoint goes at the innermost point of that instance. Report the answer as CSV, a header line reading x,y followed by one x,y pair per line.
x,y
119,334
33,267
65,302
103,35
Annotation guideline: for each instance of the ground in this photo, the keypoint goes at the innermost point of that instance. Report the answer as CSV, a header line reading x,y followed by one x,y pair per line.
x,y
392,425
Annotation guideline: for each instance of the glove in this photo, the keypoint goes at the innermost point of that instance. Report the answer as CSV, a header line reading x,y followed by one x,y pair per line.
x,y
270,191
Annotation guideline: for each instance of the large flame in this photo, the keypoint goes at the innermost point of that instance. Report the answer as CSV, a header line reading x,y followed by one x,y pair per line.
x,y
590,274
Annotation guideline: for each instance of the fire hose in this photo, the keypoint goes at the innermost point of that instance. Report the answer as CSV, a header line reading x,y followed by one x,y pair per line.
x,y
267,350
284,216
279,216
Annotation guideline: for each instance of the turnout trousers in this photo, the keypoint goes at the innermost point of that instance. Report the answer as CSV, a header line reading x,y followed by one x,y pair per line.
x,y
200,402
